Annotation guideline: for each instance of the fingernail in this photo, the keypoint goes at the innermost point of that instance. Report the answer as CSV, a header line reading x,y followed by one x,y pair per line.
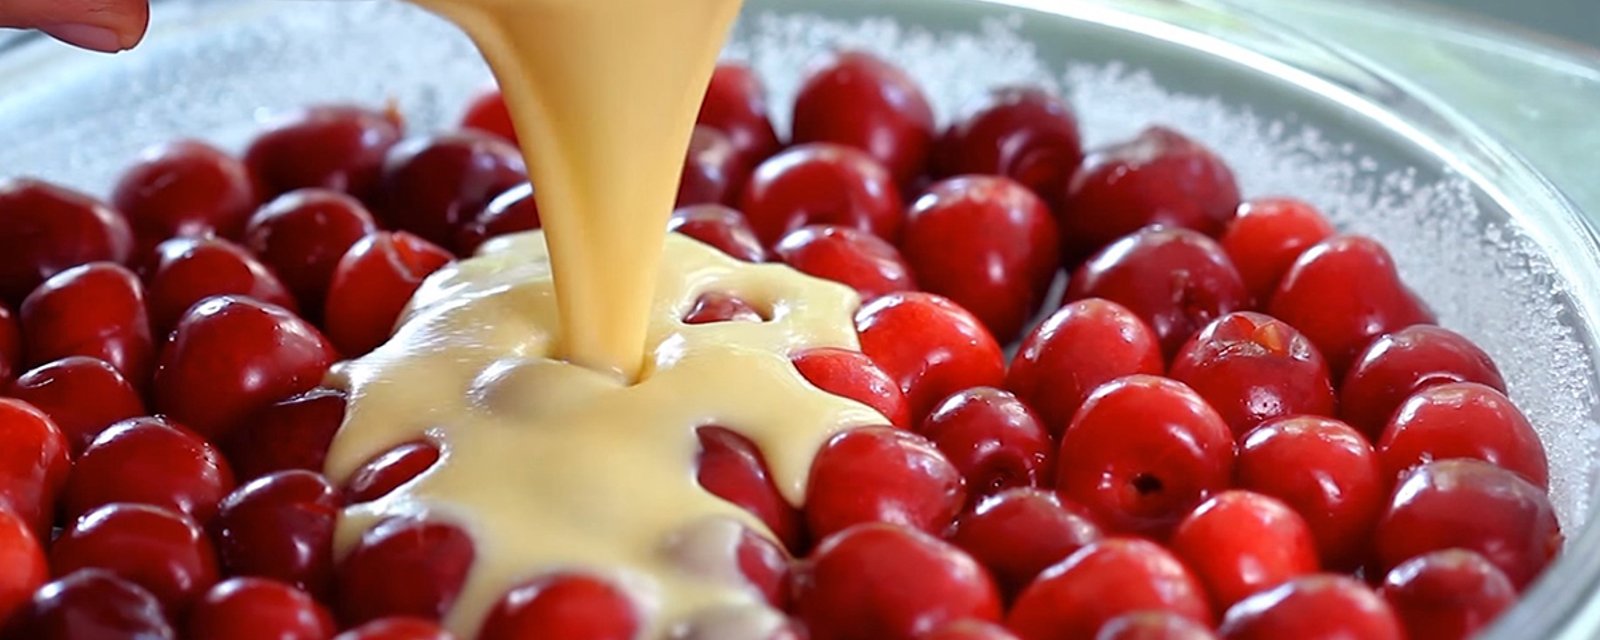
x,y
87,36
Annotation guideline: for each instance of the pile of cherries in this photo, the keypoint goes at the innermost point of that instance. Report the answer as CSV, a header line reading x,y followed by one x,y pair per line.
x,y
1237,422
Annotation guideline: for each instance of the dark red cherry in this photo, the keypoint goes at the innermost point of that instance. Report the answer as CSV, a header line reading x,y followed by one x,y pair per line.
x,y
1315,606
736,105
188,270
1399,364
1252,368
149,461
404,567
572,606
372,284
1024,133
280,526
1323,469
1462,420
432,186
822,183
46,229
1342,293
732,468
487,112
95,310
338,147
185,188
293,433
1019,532
1081,346
1447,595
994,440
853,375
860,100
158,549
510,212
720,227
301,235
92,603
713,172
848,256
881,474
1103,581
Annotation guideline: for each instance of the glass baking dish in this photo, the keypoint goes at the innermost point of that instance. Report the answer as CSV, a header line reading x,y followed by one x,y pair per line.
x,y
1499,253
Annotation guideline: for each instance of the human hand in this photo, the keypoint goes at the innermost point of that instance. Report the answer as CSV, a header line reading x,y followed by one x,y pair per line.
x,y
101,25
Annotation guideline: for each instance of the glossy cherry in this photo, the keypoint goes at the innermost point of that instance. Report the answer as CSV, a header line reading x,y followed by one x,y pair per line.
x,y
1462,420
403,567
487,112
1315,606
338,147
188,270
1142,452
1084,344
1107,579
280,526
301,236
562,606
1324,470
732,468
159,549
293,433
853,375
1153,625
33,465
736,105
969,630
860,100
92,603
1240,542
1252,368
881,474
713,172
150,461
258,609
432,186
46,229
822,183
81,395
390,469
1018,533
1342,293
930,347
372,284
720,307
988,244
95,310
184,188
1447,595
1265,238
10,344
397,628
1399,364
1024,133
720,227
513,211
23,558
993,439
849,256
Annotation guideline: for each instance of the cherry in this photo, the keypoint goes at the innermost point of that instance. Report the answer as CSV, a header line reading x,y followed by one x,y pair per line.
x,y
433,185
338,147
10,344
1323,469
1081,346
1343,292
1107,579
158,549
372,284
1265,238
293,433
736,105
301,236
1315,606
46,229
713,172
1252,368
1399,364
855,376
1153,625
1462,420
95,310
150,461
387,471
1018,533
1160,177
92,603
720,227
720,307
570,606
930,347
258,609
822,183
1176,280
732,468
1142,452
993,439
969,630
404,567
1473,505
1240,542
487,112
188,270
1000,274
184,188
886,582
1447,595
881,474
514,210
1023,133
33,464
765,566
397,628
860,100
81,395
23,559
280,526
848,256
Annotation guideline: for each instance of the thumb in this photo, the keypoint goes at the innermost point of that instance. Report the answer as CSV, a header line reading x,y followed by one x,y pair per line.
x,y
102,25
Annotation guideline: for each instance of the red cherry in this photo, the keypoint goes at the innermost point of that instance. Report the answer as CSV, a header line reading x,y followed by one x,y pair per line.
x,y
1252,368
23,559
1315,606
46,229
487,112
1020,532
387,471
929,346
258,609
1239,542
336,147
10,344
95,310
720,227
514,210
1077,596
1001,274
293,433
1153,625
848,256
33,465
736,105
1462,420
150,461
1023,133
822,184
765,566
860,100
1176,280
433,185
158,549
1342,293
280,526
720,307
81,395
993,439
969,630
1081,346
188,270
92,603
397,628
302,234
713,172
1265,238
568,606
372,284
1160,177
1447,595
1402,363
1473,505
1323,469
732,468
855,376
1142,452
184,188
885,582
404,567
881,474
